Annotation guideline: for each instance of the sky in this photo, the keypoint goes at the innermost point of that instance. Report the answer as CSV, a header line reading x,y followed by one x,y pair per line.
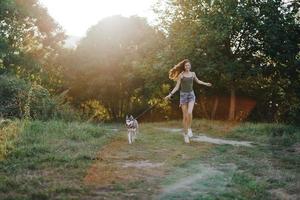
x,y
76,16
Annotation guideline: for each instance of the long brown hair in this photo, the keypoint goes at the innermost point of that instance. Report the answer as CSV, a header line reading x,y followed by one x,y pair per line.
x,y
177,69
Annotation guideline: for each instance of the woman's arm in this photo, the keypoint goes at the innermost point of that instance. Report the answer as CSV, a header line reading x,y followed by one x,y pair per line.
x,y
201,82
175,88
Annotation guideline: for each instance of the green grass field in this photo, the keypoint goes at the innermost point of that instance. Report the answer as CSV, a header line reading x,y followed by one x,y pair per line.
x,y
58,160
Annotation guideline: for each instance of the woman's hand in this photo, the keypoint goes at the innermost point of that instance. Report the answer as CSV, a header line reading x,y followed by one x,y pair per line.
x,y
168,96
208,84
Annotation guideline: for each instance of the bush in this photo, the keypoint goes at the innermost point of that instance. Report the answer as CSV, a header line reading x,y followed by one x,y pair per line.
x,y
66,112
13,92
39,103
43,106
19,99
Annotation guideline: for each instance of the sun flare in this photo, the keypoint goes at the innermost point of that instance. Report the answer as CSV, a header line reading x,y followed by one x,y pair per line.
x,y
76,17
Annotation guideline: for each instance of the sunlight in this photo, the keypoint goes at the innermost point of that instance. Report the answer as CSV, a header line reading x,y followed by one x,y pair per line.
x,y
76,17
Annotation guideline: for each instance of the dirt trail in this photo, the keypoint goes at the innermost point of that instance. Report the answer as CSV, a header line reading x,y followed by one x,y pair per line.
x,y
173,130
204,138
116,164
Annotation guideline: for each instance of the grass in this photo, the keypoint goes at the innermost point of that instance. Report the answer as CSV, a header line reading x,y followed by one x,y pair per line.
x,y
58,160
272,165
8,133
50,159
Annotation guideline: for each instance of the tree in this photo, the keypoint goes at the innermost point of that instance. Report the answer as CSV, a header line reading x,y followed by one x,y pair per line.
x,y
110,63
29,43
29,39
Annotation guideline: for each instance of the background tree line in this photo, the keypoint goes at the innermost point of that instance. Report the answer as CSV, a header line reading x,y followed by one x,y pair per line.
x,y
30,75
247,49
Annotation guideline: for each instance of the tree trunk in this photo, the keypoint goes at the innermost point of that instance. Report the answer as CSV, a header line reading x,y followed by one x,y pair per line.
x,y
231,114
216,103
122,108
113,110
130,107
119,108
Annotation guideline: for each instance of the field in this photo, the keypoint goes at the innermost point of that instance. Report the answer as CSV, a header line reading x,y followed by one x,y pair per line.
x,y
59,160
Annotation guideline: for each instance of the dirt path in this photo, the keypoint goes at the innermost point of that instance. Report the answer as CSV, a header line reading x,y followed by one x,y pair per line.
x,y
204,138
117,162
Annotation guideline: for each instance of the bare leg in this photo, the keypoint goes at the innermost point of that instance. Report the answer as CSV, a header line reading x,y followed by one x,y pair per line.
x,y
184,108
190,113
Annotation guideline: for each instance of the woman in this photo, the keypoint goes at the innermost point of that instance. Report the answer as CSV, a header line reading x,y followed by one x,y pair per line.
x,y
185,78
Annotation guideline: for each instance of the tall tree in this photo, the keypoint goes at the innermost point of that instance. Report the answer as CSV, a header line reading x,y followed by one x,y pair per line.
x,y
110,63
29,39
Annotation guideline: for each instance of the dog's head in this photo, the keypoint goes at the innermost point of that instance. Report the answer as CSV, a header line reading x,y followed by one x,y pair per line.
x,y
129,120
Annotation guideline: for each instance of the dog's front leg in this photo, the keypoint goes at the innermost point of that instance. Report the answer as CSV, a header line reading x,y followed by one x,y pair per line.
x,y
134,134
129,137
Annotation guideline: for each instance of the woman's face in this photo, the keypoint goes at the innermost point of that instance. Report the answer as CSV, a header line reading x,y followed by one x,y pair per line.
x,y
187,66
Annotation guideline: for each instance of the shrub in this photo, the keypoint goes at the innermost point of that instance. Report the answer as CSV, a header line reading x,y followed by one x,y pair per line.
x,y
19,99
12,96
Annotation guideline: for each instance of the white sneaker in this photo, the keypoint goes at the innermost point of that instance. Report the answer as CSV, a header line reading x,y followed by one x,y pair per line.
x,y
190,133
186,138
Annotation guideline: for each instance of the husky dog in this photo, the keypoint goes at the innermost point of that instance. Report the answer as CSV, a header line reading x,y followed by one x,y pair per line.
x,y
132,128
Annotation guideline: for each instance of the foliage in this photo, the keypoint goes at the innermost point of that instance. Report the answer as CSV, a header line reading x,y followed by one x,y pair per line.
x,y
29,40
21,99
112,64
245,48
13,95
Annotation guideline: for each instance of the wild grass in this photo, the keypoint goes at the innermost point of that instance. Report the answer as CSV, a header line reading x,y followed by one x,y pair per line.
x,y
49,160
9,131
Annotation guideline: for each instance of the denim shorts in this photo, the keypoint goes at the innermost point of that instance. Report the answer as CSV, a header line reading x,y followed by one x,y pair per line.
x,y
186,97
